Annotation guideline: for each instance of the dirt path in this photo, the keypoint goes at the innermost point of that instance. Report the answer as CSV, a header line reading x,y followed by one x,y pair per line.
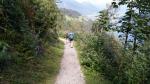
x,y
70,72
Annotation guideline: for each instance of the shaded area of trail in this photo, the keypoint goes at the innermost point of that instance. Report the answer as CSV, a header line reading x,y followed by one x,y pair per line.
x,y
70,72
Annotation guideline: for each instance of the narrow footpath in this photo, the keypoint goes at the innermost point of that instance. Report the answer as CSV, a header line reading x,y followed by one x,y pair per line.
x,y
70,71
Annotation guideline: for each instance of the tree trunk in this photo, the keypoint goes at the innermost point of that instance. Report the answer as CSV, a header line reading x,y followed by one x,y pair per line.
x,y
134,43
126,40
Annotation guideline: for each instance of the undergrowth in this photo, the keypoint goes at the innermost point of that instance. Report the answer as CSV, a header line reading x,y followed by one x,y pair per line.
x,y
87,63
34,70
104,61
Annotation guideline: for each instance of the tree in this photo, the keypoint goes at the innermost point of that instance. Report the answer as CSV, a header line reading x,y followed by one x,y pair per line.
x,y
102,22
26,25
134,21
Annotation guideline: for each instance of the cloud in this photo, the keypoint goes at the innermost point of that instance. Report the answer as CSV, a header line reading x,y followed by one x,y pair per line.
x,y
97,3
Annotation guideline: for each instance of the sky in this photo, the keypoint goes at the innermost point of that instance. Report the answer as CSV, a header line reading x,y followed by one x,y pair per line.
x,y
89,8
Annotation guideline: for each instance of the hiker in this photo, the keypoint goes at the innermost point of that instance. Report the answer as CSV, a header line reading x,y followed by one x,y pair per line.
x,y
71,38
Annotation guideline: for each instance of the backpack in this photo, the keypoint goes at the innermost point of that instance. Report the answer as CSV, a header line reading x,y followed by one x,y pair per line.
x,y
71,35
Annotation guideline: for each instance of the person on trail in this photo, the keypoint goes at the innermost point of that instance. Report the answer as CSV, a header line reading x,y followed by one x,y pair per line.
x,y
71,38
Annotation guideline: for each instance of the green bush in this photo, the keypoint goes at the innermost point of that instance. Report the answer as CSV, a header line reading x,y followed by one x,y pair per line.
x,y
104,55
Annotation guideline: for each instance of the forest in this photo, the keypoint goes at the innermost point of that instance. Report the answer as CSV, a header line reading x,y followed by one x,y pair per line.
x,y
29,41
30,49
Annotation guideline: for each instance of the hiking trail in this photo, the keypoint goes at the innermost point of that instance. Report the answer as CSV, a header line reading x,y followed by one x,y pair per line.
x,y
70,71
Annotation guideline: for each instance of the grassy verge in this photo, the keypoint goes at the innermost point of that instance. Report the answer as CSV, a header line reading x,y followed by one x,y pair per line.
x,y
91,76
36,70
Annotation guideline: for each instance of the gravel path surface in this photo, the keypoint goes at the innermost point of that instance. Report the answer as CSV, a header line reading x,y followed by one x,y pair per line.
x,y
70,72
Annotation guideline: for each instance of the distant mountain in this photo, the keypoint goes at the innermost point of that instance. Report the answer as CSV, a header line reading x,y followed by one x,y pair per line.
x,y
82,22
70,12
86,9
